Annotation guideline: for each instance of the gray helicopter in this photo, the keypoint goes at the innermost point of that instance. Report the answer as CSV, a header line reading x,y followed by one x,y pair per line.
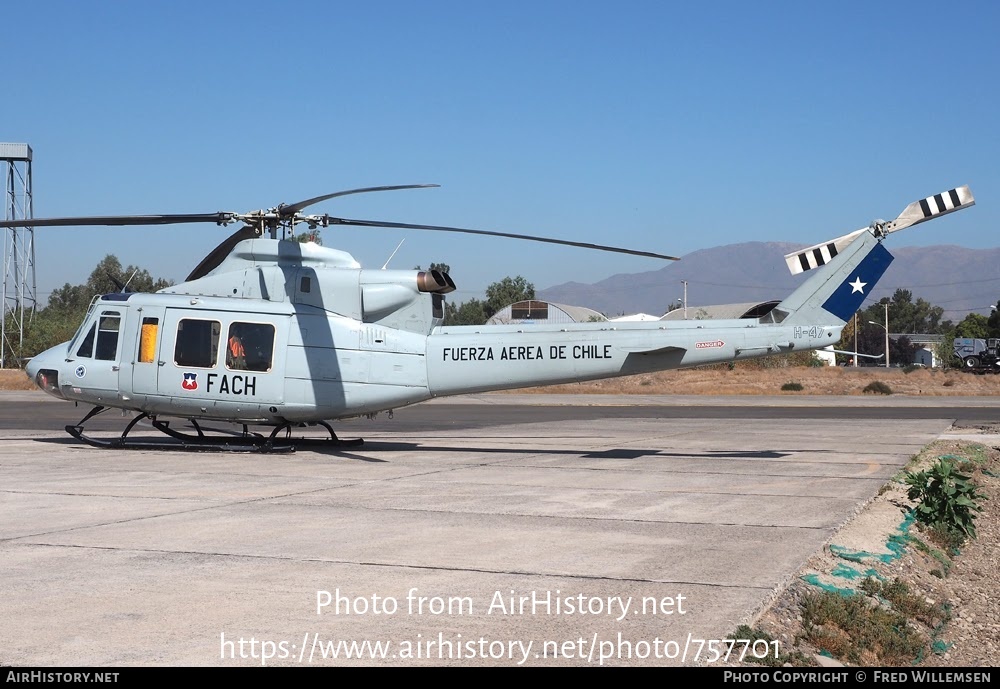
x,y
270,332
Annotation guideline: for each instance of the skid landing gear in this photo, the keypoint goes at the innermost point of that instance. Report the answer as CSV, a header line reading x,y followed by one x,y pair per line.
x,y
226,441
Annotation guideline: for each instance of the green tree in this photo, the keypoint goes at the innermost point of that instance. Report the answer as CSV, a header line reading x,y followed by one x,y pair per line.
x,y
973,325
906,316
848,341
443,267
68,304
871,340
308,236
471,312
901,351
507,291
498,295
945,351
993,324
109,276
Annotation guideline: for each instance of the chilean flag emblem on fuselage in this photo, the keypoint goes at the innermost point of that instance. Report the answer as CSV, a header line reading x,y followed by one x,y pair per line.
x,y
190,381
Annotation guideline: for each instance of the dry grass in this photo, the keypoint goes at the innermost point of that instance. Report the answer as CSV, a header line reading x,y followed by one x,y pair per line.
x,y
743,381
768,381
15,379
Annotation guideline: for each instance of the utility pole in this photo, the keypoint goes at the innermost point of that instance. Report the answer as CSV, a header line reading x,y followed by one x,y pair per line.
x,y
855,339
887,334
685,283
886,327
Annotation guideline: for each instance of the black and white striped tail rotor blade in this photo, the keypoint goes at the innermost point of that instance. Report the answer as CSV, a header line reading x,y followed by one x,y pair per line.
x,y
917,212
818,254
932,207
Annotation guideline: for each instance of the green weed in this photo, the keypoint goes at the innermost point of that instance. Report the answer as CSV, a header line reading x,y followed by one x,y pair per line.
x,y
947,500
855,628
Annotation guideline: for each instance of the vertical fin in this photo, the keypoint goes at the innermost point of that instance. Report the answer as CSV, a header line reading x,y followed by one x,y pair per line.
x,y
833,294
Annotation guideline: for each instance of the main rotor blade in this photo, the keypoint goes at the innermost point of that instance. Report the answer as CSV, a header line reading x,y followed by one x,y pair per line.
x,y
548,240
218,218
219,253
292,209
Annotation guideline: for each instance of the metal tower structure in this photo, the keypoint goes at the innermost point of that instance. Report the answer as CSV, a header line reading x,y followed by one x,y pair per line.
x,y
19,287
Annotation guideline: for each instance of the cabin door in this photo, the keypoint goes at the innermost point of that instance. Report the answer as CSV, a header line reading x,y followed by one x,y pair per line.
x,y
148,350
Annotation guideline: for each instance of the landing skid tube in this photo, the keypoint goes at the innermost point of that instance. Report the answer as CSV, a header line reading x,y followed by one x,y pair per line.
x,y
231,441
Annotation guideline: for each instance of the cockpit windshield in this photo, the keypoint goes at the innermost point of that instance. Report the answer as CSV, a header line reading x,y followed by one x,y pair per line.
x,y
83,325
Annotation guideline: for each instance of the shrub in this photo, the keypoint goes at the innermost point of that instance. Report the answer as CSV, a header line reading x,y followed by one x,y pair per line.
x,y
898,594
947,499
791,387
851,628
877,387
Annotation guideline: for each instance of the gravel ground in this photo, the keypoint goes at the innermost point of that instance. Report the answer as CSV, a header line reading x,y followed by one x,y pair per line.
x,y
970,636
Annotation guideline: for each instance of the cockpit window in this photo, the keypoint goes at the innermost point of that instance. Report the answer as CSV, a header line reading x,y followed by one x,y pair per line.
x,y
107,335
82,329
86,349
197,343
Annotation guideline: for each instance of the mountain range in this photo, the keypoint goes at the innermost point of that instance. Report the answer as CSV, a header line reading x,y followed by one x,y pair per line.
x,y
955,278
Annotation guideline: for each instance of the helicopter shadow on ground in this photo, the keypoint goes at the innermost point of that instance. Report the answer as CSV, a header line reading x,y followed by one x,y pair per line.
x,y
359,454
613,453
167,445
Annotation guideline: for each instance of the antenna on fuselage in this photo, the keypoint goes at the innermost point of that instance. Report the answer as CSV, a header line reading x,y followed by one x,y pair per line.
x,y
386,264
125,286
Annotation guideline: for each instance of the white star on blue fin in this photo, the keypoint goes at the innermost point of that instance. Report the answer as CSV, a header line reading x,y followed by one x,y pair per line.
x,y
857,285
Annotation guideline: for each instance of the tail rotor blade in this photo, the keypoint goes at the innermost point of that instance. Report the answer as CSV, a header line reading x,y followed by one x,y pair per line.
x,y
932,207
917,212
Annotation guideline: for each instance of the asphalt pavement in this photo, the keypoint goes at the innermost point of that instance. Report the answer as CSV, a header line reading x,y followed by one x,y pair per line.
x,y
490,530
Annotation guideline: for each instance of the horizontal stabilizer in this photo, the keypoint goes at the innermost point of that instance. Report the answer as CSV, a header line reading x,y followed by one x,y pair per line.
x,y
917,212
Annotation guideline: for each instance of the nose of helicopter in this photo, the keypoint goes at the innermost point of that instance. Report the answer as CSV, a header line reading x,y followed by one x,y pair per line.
x,y
43,369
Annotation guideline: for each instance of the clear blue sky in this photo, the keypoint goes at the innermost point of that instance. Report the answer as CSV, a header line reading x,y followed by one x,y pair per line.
x,y
665,126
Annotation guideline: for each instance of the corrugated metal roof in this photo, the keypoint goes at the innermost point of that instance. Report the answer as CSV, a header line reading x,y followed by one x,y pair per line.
x,y
557,313
580,314
15,151
632,317
720,311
